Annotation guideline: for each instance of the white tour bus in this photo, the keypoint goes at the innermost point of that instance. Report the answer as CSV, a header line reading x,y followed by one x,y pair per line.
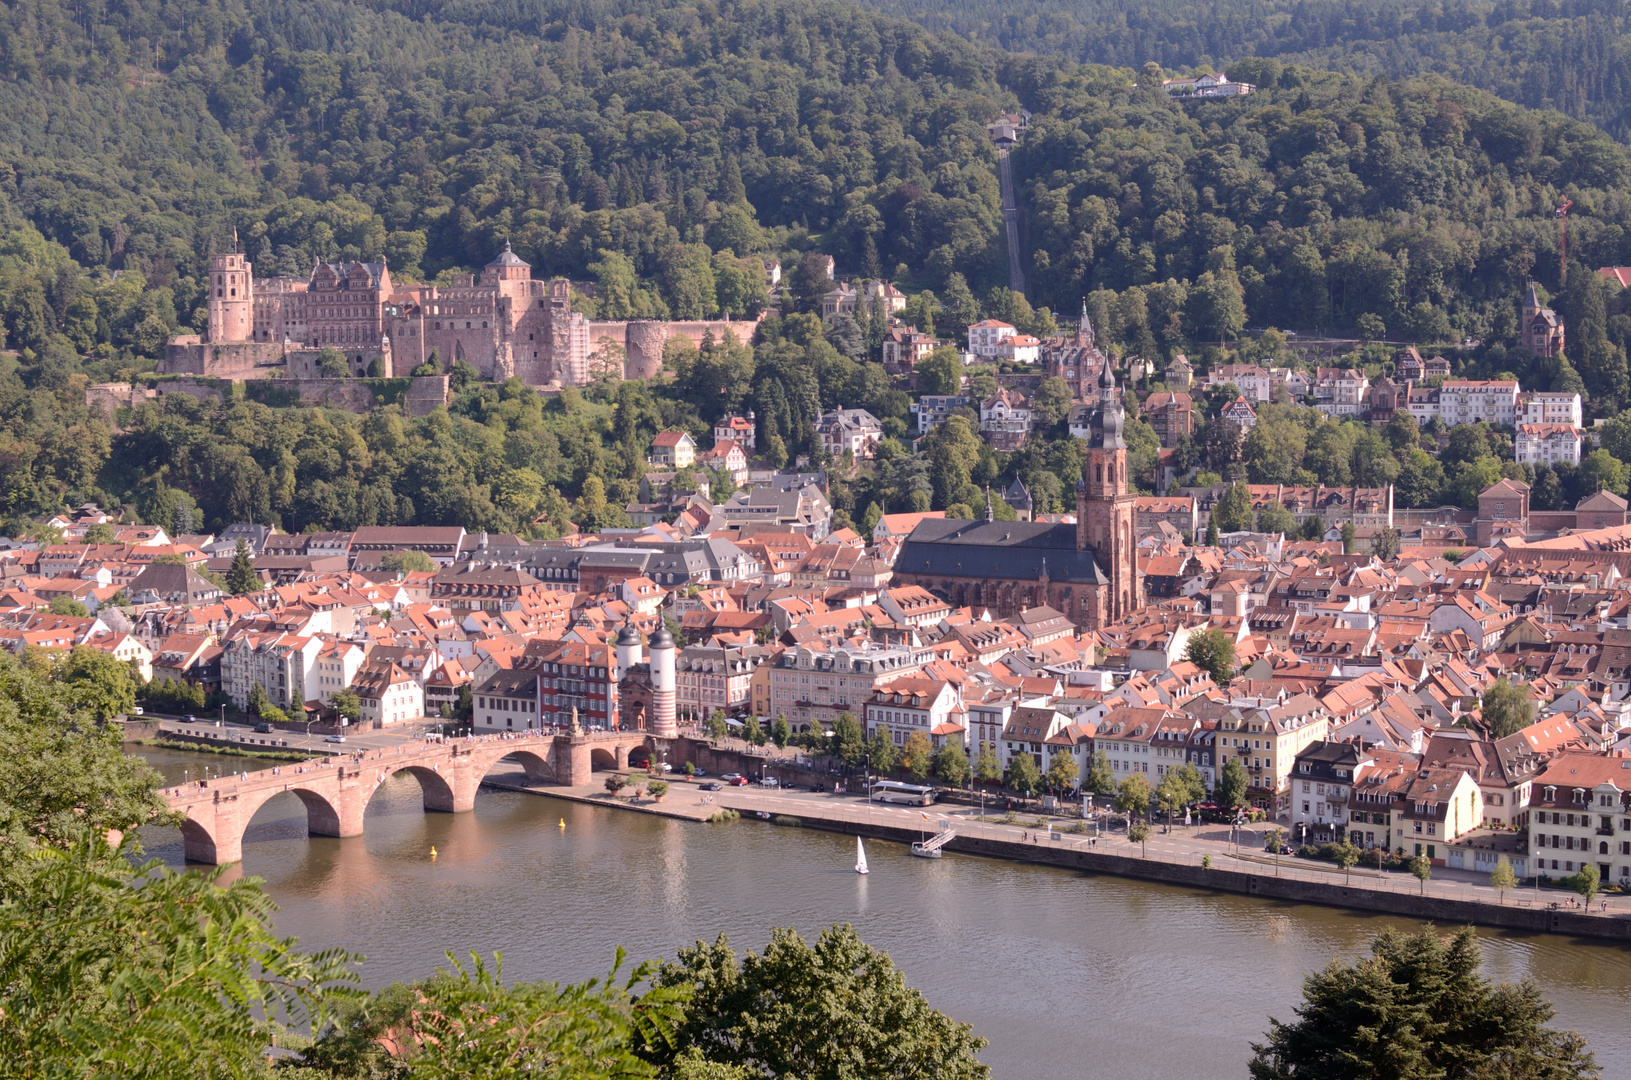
x,y
894,791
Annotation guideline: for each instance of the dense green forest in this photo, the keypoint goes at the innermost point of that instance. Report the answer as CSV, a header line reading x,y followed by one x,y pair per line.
x,y
1319,200
141,136
1573,56
658,143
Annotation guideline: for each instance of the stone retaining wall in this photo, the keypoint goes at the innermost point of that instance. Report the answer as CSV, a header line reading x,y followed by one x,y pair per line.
x,y
1225,879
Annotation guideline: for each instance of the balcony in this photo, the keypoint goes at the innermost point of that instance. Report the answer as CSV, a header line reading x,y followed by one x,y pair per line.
x,y
1605,830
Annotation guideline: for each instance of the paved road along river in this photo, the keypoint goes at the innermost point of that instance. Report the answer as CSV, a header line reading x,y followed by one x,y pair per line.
x,y
1068,976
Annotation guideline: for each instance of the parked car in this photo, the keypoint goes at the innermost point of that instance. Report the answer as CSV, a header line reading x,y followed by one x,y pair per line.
x,y
263,729
818,788
698,772
769,781
731,777
740,781
335,738
709,786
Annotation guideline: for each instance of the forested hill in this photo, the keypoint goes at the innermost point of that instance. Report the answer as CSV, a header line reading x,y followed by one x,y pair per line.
x,y
139,134
1573,56
1416,208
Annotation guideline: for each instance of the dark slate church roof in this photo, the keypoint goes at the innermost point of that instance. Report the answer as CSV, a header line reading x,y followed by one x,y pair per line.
x,y
1004,550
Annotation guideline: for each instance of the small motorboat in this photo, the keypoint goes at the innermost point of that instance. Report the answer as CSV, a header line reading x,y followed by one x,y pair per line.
x,y
860,858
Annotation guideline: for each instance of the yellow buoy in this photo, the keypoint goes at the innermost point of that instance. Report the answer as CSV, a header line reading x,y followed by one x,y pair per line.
x,y
433,851
563,823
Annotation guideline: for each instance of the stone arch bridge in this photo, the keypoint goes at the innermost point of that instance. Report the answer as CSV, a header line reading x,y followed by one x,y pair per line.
x,y
336,791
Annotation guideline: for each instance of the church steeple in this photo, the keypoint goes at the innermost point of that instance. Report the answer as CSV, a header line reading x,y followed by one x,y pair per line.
x,y
1105,508
1084,328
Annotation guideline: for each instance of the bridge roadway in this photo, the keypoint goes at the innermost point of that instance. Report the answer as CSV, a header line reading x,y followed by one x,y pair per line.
x,y
336,790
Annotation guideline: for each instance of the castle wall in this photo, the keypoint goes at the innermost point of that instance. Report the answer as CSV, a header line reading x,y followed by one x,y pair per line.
x,y
112,396
642,340
187,355
303,363
426,393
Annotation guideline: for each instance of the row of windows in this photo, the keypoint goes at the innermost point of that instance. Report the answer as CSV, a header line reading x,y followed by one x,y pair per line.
x,y
504,704
1568,864
1582,844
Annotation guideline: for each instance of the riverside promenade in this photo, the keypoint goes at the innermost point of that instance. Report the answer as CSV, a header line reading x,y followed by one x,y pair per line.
x,y
1177,858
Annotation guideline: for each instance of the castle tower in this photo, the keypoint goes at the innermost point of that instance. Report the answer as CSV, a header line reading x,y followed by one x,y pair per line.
x,y
628,649
507,267
663,723
231,303
1104,509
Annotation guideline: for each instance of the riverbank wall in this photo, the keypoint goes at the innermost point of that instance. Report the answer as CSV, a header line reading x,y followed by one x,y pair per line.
x,y
1069,854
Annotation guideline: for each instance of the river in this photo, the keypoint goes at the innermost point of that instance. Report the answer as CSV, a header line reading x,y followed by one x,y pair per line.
x,y
1068,975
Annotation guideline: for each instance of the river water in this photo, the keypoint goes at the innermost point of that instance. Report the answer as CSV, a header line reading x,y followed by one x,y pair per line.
x,y
1068,975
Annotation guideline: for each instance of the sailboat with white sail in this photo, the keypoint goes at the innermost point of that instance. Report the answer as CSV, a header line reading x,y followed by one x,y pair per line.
x,y
860,858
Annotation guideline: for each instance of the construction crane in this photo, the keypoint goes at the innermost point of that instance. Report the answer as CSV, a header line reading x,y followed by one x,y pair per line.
x,y
1563,242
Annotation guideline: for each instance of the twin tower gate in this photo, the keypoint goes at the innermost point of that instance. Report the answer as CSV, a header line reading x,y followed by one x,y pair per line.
x,y
336,791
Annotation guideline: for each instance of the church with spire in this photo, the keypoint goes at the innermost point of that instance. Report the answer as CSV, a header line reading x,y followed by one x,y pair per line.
x,y
1087,571
1540,329
1076,359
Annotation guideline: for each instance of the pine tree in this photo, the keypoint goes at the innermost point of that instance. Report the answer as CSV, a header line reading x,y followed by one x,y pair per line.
x,y
871,265
242,577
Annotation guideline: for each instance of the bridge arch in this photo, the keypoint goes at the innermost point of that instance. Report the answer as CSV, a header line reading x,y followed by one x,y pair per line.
x,y
601,758
540,769
437,792
322,816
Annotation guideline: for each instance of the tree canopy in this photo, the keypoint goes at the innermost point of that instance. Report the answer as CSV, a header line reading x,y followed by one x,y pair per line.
x,y
1418,1008
813,1010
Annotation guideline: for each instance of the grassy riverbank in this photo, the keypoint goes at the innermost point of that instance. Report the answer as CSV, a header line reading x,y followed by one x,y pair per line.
x,y
230,750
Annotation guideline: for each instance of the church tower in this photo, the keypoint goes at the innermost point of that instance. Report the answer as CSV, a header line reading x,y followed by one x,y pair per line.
x,y
1084,329
1541,331
1104,509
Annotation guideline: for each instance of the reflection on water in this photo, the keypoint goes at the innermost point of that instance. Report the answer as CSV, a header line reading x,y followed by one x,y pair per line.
x,y
1067,975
